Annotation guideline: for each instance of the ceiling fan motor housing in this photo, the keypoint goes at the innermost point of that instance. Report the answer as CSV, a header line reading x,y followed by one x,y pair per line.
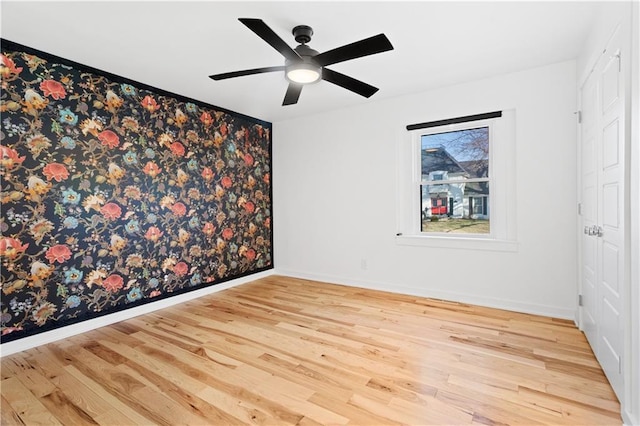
x,y
302,33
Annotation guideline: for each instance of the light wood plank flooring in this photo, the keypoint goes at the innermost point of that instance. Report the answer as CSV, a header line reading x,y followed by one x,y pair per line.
x,y
289,351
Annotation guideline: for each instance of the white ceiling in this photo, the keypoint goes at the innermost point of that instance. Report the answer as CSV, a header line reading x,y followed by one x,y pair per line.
x,y
176,45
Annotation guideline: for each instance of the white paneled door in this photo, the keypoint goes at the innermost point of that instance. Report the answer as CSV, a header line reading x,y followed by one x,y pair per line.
x,y
602,211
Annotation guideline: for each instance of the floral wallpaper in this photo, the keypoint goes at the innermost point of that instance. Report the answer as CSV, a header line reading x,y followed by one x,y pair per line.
x,y
115,194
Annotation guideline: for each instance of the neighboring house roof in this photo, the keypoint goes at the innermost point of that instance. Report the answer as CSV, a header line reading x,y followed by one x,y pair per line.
x,y
438,159
435,159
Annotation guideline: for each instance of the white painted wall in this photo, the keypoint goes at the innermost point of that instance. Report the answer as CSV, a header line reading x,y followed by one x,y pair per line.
x,y
611,14
335,193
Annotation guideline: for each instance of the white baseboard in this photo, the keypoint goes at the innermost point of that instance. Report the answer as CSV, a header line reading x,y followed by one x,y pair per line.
x,y
92,324
490,302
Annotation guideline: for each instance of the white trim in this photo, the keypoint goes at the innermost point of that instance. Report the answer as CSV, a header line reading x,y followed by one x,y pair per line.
x,y
470,242
92,324
489,302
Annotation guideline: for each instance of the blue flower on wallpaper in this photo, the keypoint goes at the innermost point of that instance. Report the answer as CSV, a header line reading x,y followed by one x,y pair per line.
x,y
149,153
132,227
67,142
134,294
130,158
69,196
68,117
128,90
70,222
73,276
72,301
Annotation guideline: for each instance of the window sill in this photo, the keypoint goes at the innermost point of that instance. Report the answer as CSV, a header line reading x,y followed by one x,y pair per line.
x,y
465,243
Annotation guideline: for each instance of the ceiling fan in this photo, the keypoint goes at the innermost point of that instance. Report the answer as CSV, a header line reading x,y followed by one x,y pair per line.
x,y
303,65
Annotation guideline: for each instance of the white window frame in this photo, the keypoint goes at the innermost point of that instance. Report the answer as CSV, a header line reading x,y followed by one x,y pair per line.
x,y
502,184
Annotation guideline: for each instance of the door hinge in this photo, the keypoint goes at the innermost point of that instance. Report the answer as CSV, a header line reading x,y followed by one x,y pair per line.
x,y
579,300
579,115
579,209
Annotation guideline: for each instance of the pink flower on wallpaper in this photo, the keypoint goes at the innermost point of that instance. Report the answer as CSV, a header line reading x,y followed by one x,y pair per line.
x,y
206,119
250,254
11,247
55,171
109,139
179,209
249,207
180,269
227,233
177,148
111,211
59,253
151,169
207,174
150,104
248,159
10,65
9,157
226,182
113,283
223,129
153,234
208,229
53,88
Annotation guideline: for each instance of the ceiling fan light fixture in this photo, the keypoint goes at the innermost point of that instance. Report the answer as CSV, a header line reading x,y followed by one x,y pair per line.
x,y
303,73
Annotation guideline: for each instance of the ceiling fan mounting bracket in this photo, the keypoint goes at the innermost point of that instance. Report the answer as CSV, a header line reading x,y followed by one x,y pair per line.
x,y
302,33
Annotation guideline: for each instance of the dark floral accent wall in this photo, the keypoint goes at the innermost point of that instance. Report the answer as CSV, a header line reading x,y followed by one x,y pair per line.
x,y
115,194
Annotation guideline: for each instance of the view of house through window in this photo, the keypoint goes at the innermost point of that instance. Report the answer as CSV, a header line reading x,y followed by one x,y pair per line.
x,y
454,182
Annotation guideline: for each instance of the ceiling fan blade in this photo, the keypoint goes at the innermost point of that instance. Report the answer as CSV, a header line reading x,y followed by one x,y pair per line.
x,y
245,72
292,95
263,31
368,46
348,83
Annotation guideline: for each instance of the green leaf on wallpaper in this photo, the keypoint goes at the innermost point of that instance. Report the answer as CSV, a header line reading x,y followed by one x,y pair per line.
x,y
142,141
145,273
56,127
58,209
61,291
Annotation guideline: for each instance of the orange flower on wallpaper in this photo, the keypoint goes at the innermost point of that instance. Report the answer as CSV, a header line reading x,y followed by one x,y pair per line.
x,y
150,104
153,233
9,157
207,174
53,89
208,229
8,67
55,171
206,119
111,211
109,139
227,233
59,253
151,169
180,269
177,148
11,247
179,209
226,182
250,254
113,283
249,207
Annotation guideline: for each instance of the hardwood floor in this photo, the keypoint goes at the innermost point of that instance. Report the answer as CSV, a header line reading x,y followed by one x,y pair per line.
x,y
289,351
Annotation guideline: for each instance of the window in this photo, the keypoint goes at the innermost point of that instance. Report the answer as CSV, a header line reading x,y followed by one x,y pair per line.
x,y
457,183
459,161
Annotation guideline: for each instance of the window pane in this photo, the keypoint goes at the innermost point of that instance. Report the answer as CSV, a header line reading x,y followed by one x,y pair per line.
x,y
462,154
455,208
